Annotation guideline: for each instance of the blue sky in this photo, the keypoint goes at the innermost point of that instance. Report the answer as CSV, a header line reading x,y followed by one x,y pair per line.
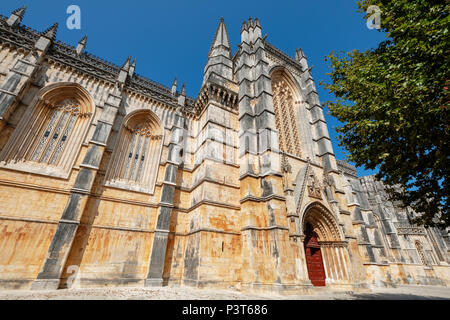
x,y
172,38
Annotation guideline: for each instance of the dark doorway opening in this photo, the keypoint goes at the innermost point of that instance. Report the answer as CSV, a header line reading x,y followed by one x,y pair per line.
x,y
314,261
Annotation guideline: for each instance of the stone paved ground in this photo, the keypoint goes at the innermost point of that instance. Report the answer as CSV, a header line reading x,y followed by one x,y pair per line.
x,y
183,293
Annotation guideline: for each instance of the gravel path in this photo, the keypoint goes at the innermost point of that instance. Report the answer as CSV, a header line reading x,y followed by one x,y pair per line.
x,y
185,293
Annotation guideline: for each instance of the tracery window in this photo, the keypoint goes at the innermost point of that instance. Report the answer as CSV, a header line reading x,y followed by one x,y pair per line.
x,y
285,117
135,159
53,138
49,136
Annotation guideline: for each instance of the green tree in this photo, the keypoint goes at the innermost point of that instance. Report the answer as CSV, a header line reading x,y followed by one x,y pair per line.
x,y
393,102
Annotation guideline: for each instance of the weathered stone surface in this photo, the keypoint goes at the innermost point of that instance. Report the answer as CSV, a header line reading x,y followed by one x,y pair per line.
x,y
238,179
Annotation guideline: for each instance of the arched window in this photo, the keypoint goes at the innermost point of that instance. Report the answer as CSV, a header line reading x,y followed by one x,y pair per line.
x,y
49,136
135,160
53,138
285,117
292,117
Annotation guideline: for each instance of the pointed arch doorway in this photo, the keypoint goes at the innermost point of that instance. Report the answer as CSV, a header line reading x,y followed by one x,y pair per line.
x,y
326,254
313,255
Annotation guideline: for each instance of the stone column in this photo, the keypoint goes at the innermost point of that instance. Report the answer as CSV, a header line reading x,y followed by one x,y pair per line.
x,y
325,264
334,263
328,263
343,263
340,265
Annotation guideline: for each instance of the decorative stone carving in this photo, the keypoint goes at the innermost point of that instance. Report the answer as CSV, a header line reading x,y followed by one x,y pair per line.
x,y
51,133
217,93
285,165
407,229
314,186
285,117
280,58
136,155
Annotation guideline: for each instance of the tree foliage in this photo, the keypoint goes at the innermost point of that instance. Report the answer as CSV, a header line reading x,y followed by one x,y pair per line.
x,y
393,102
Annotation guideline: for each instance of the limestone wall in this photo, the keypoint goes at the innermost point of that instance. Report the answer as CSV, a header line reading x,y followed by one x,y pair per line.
x,y
229,205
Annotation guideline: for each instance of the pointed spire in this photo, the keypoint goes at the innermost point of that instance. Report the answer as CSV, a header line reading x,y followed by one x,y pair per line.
x,y
182,96
125,72
299,55
126,65
132,68
301,58
16,16
257,24
20,12
82,45
219,57
244,26
221,39
174,86
50,33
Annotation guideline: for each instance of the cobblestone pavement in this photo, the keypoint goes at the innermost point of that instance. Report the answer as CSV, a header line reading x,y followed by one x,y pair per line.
x,y
184,293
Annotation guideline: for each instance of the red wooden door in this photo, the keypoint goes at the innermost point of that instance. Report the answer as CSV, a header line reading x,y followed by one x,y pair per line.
x,y
314,262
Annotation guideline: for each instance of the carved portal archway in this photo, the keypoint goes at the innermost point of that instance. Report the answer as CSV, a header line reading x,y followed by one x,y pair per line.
x,y
321,230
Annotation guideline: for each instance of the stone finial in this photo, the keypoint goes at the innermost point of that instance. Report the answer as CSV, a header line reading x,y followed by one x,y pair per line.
x,y
46,38
50,33
20,12
132,68
253,28
299,55
244,26
124,72
81,45
16,16
301,58
174,86
257,23
250,22
126,65
182,96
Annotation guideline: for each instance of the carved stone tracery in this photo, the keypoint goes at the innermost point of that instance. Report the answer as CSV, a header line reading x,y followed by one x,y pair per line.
x,y
285,116
49,136
135,160
314,187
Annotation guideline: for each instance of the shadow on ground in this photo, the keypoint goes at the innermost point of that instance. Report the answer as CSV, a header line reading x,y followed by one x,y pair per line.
x,y
392,296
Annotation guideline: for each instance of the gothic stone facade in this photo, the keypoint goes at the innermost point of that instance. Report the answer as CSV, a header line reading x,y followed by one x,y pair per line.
x,y
121,181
